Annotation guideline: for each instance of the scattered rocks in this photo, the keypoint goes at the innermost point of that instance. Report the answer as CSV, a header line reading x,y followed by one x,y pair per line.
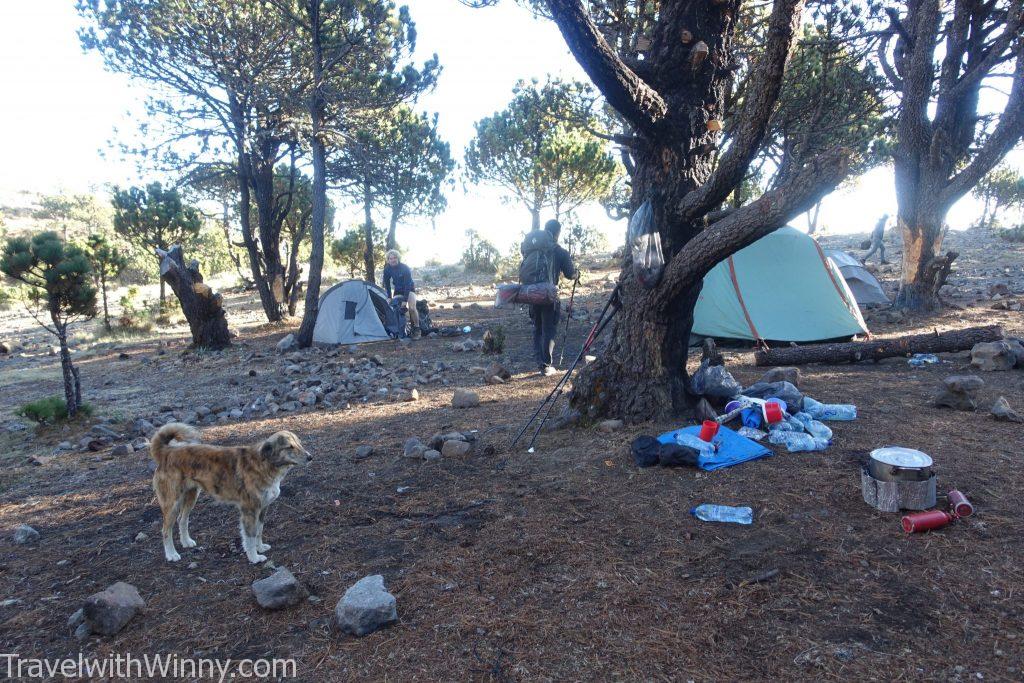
x,y
992,356
122,449
609,426
414,448
363,452
141,536
454,449
366,607
287,343
25,535
464,398
496,373
791,375
1002,411
1017,348
431,455
959,392
108,611
280,589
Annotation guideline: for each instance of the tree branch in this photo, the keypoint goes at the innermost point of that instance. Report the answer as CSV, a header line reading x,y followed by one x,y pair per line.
x,y
752,121
638,102
747,224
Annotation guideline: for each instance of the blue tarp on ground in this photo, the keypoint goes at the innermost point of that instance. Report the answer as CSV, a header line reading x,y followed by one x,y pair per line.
x,y
732,448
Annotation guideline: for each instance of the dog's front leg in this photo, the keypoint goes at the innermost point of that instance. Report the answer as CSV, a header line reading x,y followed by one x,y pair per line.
x,y
248,525
261,518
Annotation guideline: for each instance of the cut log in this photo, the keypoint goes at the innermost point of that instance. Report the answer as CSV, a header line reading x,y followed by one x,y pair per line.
x,y
852,352
203,308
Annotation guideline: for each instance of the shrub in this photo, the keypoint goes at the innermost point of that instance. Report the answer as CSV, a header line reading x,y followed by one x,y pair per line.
x,y
1015,234
51,409
133,314
480,255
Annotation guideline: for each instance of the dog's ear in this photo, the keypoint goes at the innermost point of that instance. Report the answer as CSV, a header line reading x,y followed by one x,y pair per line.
x,y
267,449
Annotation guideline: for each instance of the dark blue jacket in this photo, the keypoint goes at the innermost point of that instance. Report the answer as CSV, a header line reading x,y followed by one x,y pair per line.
x,y
401,277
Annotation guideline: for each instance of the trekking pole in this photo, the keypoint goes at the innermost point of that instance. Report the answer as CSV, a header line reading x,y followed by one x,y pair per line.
x,y
565,377
562,385
568,317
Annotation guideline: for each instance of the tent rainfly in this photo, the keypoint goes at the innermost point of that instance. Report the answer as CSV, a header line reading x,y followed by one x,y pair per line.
x,y
780,288
865,287
352,312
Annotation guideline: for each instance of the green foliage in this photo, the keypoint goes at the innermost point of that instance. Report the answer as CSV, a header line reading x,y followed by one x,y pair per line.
x,y
347,251
1014,234
541,151
55,272
480,255
73,214
133,313
51,410
108,262
1001,188
154,217
582,239
494,340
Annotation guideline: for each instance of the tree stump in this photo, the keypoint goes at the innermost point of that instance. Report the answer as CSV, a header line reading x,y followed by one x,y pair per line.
x,y
203,308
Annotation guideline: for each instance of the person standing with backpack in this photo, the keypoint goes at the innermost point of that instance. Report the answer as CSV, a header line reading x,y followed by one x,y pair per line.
x,y
544,261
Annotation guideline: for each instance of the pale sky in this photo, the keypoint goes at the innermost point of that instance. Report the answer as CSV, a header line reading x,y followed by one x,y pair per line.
x,y
60,108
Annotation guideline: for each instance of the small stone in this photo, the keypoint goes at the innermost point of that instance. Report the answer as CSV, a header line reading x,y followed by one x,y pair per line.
x,y
1017,348
193,565
963,383
414,448
431,455
65,446
464,398
141,536
992,356
791,375
25,535
76,619
454,449
498,370
959,392
280,589
122,449
108,611
290,406
307,398
363,452
82,632
235,414
366,607
140,444
1002,411
610,425
287,343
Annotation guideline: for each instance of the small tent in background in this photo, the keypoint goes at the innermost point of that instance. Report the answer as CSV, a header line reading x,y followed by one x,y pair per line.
x,y
352,312
865,287
780,288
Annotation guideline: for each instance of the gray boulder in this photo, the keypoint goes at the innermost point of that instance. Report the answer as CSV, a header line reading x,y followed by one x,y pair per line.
x,y
430,455
1017,348
959,392
455,448
414,448
1002,411
280,589
363,452
287,343
791,375
366,607
25,535
992,356
108,611
464,398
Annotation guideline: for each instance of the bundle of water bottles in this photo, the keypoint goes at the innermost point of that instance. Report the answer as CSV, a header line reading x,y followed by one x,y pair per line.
x,y
801,430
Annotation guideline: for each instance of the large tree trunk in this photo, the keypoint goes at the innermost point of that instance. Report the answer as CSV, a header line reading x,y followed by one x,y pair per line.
x,y
270,307
319,189
368,264
203,308
392,241
269,222
924,269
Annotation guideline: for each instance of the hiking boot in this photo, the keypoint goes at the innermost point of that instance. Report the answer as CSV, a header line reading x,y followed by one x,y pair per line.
x,y
549,370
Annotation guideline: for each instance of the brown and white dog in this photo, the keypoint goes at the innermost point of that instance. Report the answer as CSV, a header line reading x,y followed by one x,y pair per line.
x,y
248,477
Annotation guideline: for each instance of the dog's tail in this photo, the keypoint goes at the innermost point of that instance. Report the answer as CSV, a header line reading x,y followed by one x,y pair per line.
x,y
163,437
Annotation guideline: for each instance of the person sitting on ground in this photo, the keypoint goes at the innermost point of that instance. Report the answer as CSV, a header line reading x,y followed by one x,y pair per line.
x,y
878,240
397,274
545,316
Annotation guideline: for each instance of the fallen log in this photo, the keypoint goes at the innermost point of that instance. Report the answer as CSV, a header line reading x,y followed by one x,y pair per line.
x,y
852,352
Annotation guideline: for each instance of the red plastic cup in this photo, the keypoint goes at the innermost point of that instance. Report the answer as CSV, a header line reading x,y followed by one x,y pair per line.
x,y
772,412
708,430
926,521
959,504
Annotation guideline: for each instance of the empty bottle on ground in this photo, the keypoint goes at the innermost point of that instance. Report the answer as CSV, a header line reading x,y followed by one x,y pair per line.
x,y
723,513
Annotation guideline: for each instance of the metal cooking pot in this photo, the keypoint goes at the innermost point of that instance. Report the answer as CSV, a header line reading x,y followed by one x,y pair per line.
x,y
895,463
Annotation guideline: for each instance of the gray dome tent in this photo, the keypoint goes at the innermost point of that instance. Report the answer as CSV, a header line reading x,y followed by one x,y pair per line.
x,y
352,312
865,286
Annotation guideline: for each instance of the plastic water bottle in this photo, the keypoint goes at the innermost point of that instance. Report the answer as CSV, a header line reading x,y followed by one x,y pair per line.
x,y
829,411
796,442
813,427
723,513
705,448
751,433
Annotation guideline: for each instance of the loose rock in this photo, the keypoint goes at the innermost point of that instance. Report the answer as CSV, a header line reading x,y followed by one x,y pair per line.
x,y
454,449
280,589
122,449
791,375
1002,411
363,452
431,455
959,392
25,535
464,398
609,425
414,448
287,343
108,611
992,356
366,607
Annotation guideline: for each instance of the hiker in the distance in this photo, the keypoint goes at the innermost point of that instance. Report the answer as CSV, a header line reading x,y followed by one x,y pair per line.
x,y
878,240
544,260
398,275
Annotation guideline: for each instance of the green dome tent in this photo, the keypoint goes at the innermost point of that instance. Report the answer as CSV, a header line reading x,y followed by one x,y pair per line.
x,y
780,288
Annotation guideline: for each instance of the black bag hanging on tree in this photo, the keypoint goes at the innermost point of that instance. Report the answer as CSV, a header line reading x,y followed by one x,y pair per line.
x,y
645,243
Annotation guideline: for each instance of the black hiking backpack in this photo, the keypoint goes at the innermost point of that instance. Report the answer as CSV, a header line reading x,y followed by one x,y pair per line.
x,y
538,265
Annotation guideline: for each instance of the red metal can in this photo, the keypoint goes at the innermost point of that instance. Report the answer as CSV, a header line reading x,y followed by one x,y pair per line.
x,y
708,430
926,521
959,504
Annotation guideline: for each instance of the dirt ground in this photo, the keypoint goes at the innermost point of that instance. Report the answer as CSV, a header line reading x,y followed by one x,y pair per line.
x,y
570,563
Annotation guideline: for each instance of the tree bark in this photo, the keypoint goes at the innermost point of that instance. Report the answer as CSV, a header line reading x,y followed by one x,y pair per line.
x,y
270,307
103,292
72,384
368,264
203,308
392,241
853,352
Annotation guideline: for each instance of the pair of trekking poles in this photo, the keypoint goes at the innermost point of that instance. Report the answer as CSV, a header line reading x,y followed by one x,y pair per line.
x,y
552,398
